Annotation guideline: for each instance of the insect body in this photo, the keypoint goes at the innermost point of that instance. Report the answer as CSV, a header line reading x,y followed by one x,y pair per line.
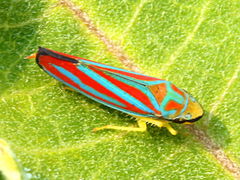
x,y
149,99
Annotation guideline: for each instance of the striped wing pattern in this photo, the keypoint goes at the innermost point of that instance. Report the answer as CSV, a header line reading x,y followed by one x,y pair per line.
x,y
124,90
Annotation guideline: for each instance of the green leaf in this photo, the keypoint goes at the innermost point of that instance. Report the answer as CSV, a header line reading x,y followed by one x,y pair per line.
x,y
194,44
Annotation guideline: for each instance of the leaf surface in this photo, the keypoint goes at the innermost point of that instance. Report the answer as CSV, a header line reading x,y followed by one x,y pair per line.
x,y
194,44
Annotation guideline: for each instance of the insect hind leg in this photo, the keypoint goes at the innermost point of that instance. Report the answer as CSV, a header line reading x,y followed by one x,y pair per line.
x,y
141,127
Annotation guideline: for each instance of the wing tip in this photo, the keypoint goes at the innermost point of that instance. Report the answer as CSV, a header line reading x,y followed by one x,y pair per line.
x,y
48,52
43,51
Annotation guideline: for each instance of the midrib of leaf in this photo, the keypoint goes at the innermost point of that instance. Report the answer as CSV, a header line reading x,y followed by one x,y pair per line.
x,y
201,135
116,50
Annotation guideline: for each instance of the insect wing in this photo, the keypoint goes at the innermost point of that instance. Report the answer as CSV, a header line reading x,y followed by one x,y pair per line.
x,y
162,97
118,88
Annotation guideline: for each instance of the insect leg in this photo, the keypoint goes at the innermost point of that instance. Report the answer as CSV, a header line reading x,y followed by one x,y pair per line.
x,y
142,127
159,123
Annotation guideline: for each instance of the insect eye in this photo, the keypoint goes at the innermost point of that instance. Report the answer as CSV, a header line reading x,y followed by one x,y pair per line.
x,y
193,99
188,116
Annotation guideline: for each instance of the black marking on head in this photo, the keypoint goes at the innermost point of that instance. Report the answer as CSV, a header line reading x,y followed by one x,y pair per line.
x,y
47,52
177,120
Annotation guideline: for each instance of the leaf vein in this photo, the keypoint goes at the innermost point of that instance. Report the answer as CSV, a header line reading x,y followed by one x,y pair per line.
x,y
7,26
134,17
224,93
187,41
78,147
113,48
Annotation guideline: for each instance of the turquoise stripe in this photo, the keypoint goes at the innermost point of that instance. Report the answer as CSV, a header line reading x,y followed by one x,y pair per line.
x,y
146,83
149,83
171,95
116,90
124,70
140,87
85,87
166,113
110,67
102,102
174,95
186,103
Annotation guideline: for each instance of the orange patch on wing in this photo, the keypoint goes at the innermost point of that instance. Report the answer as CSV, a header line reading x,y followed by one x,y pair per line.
x,y
159,91
172,105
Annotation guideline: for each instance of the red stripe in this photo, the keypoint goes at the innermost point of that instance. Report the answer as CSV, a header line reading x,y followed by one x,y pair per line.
x,y
177,90
45,60
54,71
134,92
136,76
172,105
132,75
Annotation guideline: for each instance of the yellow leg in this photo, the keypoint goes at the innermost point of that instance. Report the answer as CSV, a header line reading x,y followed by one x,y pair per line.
x,y
159,123
142,127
